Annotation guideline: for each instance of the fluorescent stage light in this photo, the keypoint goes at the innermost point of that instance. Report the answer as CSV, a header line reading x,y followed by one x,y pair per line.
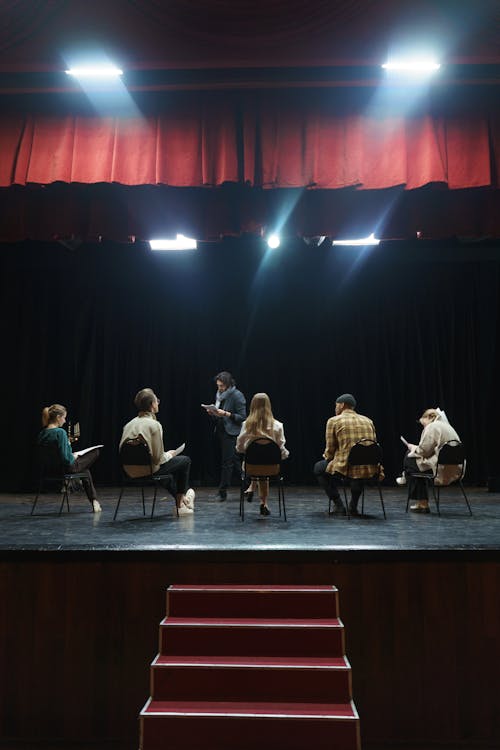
x,y
412,66
95,71
180,243
371,240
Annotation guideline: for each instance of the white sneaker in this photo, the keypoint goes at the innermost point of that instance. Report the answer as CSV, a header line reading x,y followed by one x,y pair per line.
x,y
96,505
184,511
189,497
401,480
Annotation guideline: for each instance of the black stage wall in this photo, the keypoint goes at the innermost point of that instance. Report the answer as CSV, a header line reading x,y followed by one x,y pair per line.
x,y
403,326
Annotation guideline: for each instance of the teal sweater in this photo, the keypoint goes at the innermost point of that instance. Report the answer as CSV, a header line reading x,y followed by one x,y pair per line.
x,y
49,436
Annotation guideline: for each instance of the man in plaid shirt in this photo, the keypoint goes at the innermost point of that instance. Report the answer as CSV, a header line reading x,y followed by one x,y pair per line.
x,y
342,431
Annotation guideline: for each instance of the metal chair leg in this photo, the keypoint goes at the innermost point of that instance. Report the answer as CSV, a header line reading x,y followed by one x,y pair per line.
x,y
118,503
465,496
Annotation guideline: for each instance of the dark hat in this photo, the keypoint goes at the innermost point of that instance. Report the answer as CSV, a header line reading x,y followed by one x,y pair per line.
x,y
346,398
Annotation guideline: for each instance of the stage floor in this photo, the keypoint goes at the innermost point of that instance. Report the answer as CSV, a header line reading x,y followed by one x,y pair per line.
x,y
215,528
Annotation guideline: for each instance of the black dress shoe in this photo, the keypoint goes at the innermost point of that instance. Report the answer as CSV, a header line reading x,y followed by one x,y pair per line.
x,y
354,511
220,496
264,510
338,510
248,496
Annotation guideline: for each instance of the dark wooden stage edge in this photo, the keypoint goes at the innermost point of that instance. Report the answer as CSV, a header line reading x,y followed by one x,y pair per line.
x,y
79,622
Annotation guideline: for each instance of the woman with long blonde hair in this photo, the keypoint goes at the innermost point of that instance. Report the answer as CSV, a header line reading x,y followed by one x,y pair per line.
x,y
261,423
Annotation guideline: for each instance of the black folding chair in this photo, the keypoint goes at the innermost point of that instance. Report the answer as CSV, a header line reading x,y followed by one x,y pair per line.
x,y
451,453
262,460
135,452
53,471
367,453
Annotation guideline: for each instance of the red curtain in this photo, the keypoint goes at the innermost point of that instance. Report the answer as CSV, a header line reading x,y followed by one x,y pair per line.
x,y
207,140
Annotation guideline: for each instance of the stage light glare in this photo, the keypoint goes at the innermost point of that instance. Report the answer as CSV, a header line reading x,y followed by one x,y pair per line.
x,y
180,243
370,240
422,65
273,241
95,71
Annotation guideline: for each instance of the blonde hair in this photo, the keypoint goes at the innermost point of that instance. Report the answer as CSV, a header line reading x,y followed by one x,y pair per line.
x,y
50,413
260,419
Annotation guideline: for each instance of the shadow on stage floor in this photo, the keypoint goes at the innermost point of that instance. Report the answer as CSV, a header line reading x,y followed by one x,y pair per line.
x,y
216,528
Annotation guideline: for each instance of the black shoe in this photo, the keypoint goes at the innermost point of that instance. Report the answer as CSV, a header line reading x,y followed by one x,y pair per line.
x,y
264,510
354,511
338,510
221,496
248,495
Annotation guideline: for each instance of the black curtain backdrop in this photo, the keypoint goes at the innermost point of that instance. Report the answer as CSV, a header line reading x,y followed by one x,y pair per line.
x,y
402,326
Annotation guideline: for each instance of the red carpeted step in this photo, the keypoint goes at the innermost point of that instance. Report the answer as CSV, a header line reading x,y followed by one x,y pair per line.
x,y
286,679
247,636
248,725
253,601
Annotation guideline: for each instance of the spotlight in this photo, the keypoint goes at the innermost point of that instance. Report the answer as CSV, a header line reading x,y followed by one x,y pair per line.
x,y
370,240
273,241
180,243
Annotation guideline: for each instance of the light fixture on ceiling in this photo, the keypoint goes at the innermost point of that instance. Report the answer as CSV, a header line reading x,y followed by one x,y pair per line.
x,y
180,243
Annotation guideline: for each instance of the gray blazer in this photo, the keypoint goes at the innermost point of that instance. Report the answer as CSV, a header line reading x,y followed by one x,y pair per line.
x,y
234,402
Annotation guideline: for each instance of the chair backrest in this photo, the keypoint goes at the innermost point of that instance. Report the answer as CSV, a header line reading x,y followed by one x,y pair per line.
x,y
135,452
263,458
451,453
49,460
365,452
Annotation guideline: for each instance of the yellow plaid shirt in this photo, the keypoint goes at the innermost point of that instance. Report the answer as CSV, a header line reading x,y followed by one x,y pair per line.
x,y
342,432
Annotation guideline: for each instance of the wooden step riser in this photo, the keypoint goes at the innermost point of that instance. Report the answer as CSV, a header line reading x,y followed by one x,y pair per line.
x,y
251,640
250,684
245,733
240,604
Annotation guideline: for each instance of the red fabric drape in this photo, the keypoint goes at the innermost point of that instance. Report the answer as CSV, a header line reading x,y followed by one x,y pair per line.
x,y
265,141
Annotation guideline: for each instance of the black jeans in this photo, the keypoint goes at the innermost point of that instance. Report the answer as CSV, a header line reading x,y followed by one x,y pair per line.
x,y
230,460
176,475
330,482
82,464
418,487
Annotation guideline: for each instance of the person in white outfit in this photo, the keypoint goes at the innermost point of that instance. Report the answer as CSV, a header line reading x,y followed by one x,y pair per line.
x,y
261,423
423,457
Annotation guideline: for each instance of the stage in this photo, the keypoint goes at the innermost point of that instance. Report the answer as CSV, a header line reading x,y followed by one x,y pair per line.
x,y
83,596
216,529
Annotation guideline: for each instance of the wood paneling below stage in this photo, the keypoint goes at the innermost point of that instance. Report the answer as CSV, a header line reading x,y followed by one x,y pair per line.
x,y
77,637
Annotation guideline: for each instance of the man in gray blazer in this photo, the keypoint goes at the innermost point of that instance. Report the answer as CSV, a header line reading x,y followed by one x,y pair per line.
x,y
229,412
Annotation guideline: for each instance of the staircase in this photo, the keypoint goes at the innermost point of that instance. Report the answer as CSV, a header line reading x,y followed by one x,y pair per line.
x,y
251,667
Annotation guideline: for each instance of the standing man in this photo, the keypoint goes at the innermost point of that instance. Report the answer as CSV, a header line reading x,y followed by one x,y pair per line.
x,y
342,431
229,411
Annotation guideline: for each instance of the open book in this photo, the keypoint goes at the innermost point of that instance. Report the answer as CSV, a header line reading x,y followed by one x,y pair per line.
x,y
211,408
77,454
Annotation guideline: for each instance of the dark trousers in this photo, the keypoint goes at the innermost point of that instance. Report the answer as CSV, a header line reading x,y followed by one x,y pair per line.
x,y
329,483
230,460
176,475
418,487
82,464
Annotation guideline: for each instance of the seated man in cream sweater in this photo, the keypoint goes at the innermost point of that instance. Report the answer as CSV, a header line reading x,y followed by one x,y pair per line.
x,y
165,463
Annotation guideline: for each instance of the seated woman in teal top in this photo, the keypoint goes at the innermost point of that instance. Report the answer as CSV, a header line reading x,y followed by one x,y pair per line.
x,y
53,418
